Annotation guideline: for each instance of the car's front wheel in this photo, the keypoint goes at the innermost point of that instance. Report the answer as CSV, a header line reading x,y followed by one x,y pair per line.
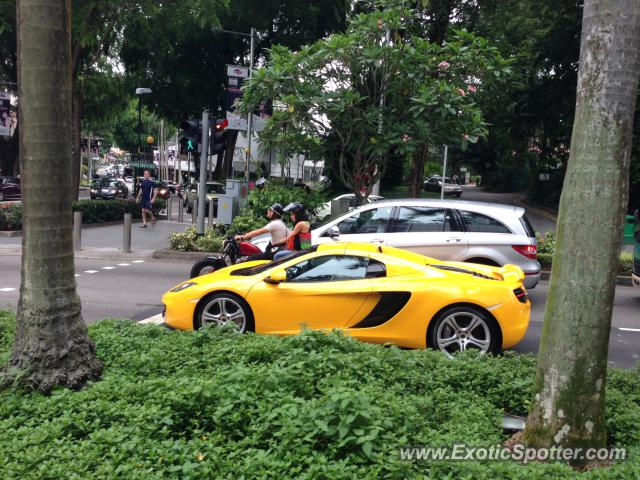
x,y
223,309
463,328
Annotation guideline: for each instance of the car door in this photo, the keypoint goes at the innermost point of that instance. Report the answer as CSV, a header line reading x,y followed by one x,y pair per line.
x,y
324,291
11,189
368,225
430,231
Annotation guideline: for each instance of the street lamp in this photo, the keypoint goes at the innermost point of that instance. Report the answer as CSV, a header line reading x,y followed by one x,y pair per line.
x,y
252,36
140,92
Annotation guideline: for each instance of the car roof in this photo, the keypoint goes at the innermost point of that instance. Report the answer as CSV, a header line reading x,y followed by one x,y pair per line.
x,y
446,203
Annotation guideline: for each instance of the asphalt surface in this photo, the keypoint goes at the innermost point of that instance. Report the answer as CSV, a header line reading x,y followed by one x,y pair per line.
x,y
134,291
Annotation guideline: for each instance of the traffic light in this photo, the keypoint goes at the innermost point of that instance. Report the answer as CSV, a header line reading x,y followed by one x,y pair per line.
x,y
219,137
191,136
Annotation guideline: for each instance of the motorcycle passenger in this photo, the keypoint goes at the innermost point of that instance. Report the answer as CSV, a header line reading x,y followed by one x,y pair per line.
x,y
300,236
276,228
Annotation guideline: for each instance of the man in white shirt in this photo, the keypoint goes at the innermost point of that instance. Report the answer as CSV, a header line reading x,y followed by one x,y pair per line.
x,y
276,228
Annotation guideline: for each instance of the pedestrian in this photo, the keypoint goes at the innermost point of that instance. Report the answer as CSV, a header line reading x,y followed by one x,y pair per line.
x,y
146,198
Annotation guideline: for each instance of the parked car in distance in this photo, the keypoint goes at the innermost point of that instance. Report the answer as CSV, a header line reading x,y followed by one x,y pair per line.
x,y
164,191
107,189
10,189
190,194
325,209
450,230
434,184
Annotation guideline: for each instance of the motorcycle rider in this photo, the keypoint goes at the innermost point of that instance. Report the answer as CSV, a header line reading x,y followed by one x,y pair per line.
x,y
300,236
276,228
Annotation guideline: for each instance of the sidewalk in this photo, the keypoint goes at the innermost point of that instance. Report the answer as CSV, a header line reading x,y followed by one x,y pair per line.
x,y
107,240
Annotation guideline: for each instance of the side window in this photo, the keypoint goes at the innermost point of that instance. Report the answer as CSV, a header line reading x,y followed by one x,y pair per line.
x,y
376,269
330,268
477,222
374,220
423,219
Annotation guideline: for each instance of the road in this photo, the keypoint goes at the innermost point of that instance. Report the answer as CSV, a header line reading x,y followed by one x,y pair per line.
x,y
111,289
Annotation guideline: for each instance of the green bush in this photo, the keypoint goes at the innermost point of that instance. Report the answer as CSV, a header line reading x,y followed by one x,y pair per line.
x,y
547,243
188,241
10,216
93,211
212,404
625,265
245,223
275,192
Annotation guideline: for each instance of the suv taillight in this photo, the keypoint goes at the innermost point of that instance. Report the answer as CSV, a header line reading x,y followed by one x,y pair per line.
x,y
521,294
529,251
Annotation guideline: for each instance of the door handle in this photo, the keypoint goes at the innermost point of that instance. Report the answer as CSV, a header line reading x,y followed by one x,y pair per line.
x,y
377,240
454,239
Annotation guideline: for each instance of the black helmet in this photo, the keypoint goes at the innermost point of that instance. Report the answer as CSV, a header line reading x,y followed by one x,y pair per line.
x,y
295,207
260,183
277,209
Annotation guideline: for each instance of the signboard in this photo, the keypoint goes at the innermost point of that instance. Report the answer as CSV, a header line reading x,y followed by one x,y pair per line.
x,y
237,71
5,114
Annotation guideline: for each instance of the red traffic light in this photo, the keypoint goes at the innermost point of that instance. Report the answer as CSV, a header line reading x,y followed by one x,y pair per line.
x,y
222,124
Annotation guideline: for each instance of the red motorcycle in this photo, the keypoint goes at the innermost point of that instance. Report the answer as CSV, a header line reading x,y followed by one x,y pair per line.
x,y
233,251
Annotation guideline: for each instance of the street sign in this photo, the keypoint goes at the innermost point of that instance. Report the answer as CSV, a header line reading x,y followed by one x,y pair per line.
x,y
237,71
236,122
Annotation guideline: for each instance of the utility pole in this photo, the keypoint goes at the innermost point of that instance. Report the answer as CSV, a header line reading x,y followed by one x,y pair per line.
x,y
202,193
89,159
250,114
444,171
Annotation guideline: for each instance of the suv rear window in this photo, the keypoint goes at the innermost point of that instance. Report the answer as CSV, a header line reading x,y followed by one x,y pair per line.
x,y
527,226
478,222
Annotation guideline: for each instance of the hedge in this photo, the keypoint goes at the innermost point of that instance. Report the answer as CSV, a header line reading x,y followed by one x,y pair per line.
x,y
93,211
625,266
213,404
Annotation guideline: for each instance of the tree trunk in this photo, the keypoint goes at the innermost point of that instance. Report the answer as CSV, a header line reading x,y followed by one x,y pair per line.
x,y
568,404
76,133
51,347
415,177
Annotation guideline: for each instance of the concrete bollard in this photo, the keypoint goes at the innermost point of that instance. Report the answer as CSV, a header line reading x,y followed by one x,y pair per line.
x,y
77,230
169,207
211,212
180,210
194,212
126,234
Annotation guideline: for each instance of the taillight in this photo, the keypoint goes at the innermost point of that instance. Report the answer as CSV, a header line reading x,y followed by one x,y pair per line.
x,y
521,294
529,251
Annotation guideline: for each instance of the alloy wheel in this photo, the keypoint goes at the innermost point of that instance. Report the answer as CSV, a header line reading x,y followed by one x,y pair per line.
x,y
462,331
224,311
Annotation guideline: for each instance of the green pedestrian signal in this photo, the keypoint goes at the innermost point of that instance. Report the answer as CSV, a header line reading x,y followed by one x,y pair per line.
x,y
191,136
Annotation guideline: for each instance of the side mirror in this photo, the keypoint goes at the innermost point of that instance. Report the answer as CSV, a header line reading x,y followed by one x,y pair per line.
x,y
276,277
333,232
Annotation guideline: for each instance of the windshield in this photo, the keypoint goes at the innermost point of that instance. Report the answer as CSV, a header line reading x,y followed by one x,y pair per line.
x,y
215,188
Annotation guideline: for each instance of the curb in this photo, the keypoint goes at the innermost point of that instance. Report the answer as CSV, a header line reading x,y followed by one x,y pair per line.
x,y
10,233
621,280
168,253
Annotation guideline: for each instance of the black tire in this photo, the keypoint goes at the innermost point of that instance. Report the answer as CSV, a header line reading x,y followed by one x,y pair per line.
x,y
205,266
228,299
463,316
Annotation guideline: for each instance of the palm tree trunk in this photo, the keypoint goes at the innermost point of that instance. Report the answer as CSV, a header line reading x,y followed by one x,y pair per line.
x,y
52,347
568,404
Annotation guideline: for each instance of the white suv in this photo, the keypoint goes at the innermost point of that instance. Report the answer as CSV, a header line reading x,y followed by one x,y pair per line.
x,y
453,230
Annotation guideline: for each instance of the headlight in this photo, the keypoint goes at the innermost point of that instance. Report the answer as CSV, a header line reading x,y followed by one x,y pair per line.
x,y
93,190
183,286
163,191
113,190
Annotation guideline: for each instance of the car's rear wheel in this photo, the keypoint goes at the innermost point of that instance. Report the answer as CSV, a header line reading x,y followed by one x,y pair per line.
x,y
223,309
463,328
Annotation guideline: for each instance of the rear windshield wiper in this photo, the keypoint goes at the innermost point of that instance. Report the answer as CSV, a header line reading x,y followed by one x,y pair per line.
x,y
462,270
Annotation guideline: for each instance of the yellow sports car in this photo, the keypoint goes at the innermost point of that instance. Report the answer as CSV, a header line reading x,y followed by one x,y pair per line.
x,y
375,293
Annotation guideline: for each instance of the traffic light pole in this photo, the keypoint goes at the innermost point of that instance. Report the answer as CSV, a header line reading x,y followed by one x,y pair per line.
x,y
204,153
250,114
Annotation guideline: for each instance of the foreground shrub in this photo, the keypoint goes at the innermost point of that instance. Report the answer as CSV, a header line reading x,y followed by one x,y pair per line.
x,y
212,404
188,241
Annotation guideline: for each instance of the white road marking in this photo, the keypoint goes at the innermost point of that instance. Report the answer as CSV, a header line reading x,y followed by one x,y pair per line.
x,y
629,329
7,289
91,271
123,264
157,319
108,268
138,261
